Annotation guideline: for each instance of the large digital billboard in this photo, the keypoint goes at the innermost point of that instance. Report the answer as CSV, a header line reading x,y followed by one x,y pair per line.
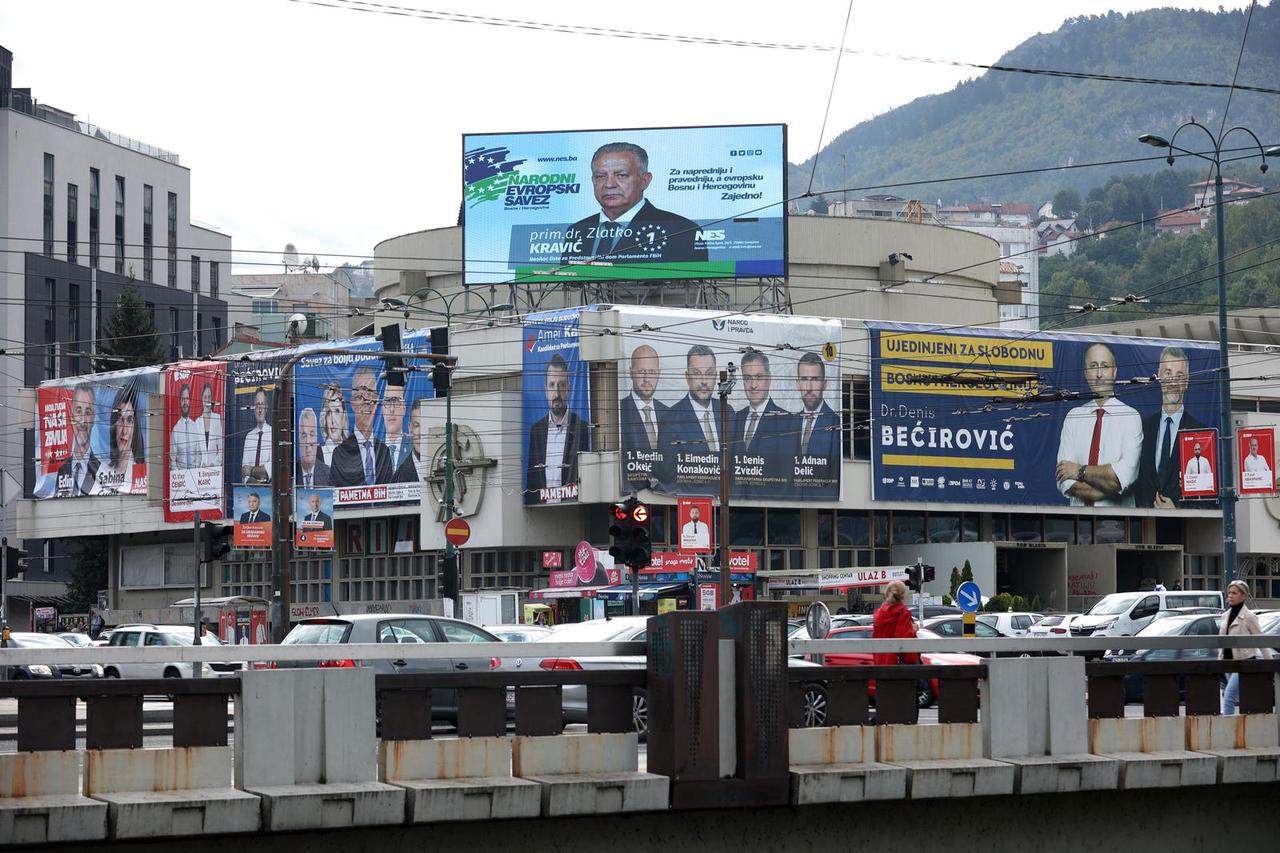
x,y
194,439
356,433
656,203
91,434
996,417
556,407
784,427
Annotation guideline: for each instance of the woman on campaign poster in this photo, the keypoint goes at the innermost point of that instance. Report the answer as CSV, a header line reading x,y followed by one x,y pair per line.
x,y
125,472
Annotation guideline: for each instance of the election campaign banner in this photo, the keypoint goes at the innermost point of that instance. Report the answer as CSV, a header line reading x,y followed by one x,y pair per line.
x,y
785,427
556,407
250,439
252,509
595,205
313,519
1257,460
694,518
1002,417
355,432
194,440
90,434
1199,459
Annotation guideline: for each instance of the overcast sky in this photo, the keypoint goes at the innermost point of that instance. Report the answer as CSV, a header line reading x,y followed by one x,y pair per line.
x,y
334,129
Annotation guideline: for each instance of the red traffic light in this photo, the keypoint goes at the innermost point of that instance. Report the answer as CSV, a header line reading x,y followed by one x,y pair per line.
x,y
620,512
640,514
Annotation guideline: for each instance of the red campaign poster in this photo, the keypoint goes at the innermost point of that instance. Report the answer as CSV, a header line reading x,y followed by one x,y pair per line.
x,y
1257,460
194,457
1198,455
55,427
694,516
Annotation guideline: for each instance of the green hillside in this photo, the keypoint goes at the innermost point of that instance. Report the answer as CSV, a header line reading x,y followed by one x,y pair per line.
x,y
1005,121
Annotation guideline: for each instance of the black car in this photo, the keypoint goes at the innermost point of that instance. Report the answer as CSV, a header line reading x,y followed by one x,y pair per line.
x,y
1186,625
27,640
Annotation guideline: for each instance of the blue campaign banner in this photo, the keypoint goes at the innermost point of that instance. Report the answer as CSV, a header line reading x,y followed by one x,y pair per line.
x,y
354,432
556,406
1001,417
250,444
597,205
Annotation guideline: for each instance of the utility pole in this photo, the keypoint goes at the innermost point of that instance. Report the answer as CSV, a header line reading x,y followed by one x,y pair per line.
x,y
4,595
726,581
198,559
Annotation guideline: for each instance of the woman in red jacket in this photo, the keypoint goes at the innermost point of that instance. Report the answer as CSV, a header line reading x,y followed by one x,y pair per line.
x,y
893,621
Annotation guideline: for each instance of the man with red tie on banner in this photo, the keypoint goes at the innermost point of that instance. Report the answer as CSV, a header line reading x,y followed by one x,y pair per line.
x,y
1101,443
1199,461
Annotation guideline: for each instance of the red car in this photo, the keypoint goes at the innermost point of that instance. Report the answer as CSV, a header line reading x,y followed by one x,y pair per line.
x,y
927,693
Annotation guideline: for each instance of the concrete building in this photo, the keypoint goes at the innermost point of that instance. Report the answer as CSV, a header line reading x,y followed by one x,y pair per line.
x,y
266,301
84,212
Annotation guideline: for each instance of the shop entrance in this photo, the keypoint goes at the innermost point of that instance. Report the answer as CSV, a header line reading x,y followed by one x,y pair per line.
x,y
1032,570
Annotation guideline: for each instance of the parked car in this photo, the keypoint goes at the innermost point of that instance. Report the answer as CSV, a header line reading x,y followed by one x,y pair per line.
x,y
29,640
1182,625
1123,614
146,635
406,628
1053,625
1270,622
953,626
926,690
1011,624
76,638
632,629
518,633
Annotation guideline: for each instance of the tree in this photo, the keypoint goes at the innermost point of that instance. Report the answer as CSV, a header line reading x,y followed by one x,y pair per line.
x,y
88,572
129,337
966,574
955,581
1066,203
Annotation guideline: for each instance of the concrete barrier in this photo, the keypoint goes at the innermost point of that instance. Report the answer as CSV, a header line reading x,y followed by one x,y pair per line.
x,y
41,803
943,761
1034,717
837,764
588,774
449,779
152,793
1152,752
305,743
1247,746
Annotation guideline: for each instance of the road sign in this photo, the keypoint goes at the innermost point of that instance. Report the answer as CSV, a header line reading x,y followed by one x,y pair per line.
x,y
818,621
970,626
969,597
457,532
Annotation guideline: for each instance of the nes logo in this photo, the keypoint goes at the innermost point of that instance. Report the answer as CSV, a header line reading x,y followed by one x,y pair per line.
x,y
709,234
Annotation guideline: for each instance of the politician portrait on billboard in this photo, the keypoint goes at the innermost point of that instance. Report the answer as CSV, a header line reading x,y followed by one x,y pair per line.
x,y
194,403
91,434
784,432
657,203
985,416
556,407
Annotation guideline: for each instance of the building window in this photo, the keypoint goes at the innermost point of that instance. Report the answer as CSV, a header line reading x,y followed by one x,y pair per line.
x,y
213,279
195,273
174,352
50,329
857,418
48,205
265,306
73,222
119,225
94,181
217,333
75,342
148,235
172,226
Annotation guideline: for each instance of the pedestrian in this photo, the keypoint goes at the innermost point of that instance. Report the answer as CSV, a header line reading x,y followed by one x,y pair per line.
x,y
893,621
1238,621
95,625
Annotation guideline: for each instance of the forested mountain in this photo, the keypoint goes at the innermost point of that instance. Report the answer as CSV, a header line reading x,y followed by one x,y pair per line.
x,y
1001,122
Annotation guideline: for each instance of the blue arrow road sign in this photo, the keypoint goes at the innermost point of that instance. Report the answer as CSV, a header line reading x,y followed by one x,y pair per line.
x,y
970,597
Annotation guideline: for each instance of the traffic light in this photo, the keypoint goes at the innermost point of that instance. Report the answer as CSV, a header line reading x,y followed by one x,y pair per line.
x,y
216,539
629,528
441,371
449,576
929,574
390,338
913,577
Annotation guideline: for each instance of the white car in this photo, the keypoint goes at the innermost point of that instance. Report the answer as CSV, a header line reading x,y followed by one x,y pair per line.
x,y
1011,624
518,633
129,636
1053,625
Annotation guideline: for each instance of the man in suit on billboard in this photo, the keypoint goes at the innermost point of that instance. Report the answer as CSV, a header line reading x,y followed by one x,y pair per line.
x,y
556,439
817,426
316,516
629,228
1100,447
1159,483
692,425
312,472
255,458
78,474
254,514
362,459
639,415
759,430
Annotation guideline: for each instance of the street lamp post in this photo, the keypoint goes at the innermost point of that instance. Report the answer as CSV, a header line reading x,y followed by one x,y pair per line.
x,y
450,550
1226,465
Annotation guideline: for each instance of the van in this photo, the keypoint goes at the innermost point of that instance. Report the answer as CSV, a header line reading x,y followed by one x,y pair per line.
x,y
1123,614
